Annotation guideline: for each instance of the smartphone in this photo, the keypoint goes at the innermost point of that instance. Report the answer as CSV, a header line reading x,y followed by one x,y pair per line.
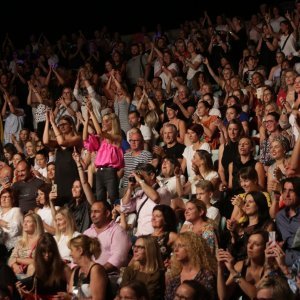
x,y
54,188
272,236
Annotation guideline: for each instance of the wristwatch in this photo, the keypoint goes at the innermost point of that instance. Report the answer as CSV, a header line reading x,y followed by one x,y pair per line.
x,y
237,277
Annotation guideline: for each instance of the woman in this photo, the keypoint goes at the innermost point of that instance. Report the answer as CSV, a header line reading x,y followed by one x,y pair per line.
x,y
229,150
245,274
66,138
65,230
195,133
146,266
191,260
248,179
44,207
51,273
11,219
256,217
40,107
133,290
167,177
21,259
171,114
66,106
14,118
208,123
30,152
82,198
245,158
164,224
197,222
203,168
277,171
88,279
109,159
9,150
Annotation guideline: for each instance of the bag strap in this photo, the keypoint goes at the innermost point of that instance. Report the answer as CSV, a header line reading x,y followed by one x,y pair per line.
x,y
140,208
285,42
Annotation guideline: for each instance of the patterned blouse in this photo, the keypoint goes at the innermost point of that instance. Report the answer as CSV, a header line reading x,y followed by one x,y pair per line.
x,y
206,278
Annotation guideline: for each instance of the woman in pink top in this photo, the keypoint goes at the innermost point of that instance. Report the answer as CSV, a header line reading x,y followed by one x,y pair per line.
x,y
109,158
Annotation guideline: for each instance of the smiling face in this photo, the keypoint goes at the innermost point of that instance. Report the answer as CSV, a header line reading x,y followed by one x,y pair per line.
x,y
76,189
191,212
248,185
167,168
277,150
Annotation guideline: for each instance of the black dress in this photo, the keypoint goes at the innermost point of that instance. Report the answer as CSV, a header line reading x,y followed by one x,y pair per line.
x,y
65,174
229,154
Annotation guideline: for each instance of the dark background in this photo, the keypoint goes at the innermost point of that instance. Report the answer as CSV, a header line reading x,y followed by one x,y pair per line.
x,y
20,18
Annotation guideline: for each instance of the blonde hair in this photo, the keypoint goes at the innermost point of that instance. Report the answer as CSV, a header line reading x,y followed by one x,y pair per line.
x,y
115,123
153,256
71,226
198,251
39,228
151,119
90,246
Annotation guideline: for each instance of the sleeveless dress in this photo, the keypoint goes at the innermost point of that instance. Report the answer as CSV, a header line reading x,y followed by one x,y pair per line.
x,y
65,174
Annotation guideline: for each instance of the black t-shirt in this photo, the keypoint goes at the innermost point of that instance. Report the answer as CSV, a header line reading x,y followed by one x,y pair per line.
x,y
175,151
26,192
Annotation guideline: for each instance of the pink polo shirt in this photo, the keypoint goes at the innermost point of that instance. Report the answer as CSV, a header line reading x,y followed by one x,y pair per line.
x,y
115,244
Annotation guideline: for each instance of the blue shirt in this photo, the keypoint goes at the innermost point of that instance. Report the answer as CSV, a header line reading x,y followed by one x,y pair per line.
x,y
288,227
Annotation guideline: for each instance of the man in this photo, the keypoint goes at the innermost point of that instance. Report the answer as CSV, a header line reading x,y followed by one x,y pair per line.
x,y
115,243
26,187
135,67
144,200
288,219
134,119
171,148
135,155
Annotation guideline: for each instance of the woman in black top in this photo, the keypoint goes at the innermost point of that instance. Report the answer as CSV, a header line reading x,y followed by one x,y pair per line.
x,y
51,273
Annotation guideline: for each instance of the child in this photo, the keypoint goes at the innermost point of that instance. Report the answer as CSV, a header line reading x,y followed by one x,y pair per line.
x,y
204,192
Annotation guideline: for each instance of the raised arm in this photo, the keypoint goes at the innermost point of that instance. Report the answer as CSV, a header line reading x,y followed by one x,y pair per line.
x,y
83,179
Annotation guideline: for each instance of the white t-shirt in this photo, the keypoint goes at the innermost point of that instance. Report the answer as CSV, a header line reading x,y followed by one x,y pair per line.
x,y
188,154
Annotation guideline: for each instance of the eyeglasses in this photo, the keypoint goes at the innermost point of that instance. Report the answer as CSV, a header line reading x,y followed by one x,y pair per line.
x,y
134,141
63,124
138,247
269,121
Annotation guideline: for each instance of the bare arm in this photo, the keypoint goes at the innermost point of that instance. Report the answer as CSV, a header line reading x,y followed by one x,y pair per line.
x,y
84,182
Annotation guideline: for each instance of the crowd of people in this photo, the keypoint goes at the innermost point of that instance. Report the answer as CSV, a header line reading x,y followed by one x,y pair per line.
x,y
167,168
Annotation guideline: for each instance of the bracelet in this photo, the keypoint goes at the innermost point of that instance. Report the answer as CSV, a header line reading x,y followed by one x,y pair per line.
x,y
80,168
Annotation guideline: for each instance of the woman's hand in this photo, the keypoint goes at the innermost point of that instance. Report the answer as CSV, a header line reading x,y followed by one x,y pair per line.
x,y
22,289
238,201
231,225
224,258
